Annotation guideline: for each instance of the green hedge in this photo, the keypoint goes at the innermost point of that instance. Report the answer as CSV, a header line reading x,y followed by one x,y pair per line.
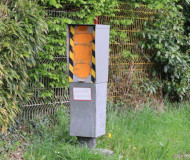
x,y
22,29
168,40
166,37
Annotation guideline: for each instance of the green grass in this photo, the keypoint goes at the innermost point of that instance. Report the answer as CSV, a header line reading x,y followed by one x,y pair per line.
x,y
136,135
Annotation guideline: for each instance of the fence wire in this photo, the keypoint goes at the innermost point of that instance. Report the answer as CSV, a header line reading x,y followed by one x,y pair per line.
x,y
125,71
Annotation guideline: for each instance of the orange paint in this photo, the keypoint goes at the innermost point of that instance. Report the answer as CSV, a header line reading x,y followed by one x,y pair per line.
x,y
82,70
83,55
82,52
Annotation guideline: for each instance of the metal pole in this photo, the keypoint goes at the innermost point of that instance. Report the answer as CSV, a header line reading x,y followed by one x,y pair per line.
x,y
90,142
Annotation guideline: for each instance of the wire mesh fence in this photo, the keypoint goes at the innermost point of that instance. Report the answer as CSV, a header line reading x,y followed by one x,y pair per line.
x,y
127,71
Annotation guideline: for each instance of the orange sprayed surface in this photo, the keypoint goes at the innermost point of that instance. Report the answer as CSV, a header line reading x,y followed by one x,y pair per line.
x,y
82,52
82,70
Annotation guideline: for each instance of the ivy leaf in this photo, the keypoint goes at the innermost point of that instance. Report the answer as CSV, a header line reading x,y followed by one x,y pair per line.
x,y
158,53
159,6
129,21
165,69
54,3
136,5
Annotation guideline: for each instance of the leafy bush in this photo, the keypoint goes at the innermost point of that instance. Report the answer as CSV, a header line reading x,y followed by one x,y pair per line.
x,y
186,12
167,41
22,28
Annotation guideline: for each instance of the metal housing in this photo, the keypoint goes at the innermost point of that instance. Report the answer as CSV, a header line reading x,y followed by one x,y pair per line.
x,y
88,118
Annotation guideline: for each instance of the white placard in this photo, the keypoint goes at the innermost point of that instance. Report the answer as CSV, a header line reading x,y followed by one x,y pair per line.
x,y
82,94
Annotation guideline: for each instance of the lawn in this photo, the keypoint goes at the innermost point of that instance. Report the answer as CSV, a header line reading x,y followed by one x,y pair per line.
x,y
147,134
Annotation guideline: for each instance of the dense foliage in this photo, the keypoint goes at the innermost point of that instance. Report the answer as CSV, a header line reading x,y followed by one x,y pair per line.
x,y
186,12
168,41
22,28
